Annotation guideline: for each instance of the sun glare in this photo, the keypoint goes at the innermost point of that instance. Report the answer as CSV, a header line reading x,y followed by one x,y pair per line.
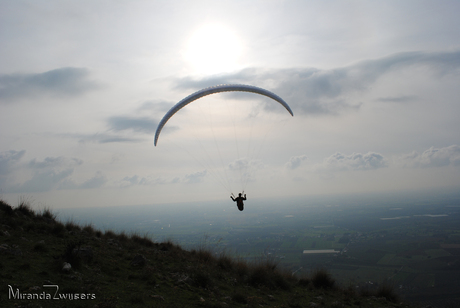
x,y
213,49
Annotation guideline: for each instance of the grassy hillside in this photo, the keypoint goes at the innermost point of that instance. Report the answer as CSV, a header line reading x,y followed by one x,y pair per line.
x,y
129,270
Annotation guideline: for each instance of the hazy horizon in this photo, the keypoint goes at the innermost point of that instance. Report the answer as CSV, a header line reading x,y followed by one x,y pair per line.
x,y
125,217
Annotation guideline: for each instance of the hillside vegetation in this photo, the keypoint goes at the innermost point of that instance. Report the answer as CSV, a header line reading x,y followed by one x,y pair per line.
x,y
48,263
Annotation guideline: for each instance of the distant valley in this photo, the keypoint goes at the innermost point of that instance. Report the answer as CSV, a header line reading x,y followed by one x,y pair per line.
x,y
409,240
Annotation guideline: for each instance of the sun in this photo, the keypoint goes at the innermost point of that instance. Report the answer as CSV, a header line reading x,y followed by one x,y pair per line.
x,y
213,49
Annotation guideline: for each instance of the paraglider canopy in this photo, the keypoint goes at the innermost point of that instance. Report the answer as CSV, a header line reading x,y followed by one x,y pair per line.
x,y
217,89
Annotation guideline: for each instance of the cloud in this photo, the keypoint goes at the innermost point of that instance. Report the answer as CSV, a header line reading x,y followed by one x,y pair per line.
x,y
95,182
55,173
397,99
247,168
146,125
295,162
308,91
110,139
43,180
433,157
137,124
8,159
128,181
314,91
158,106
191,178
67,81
245,164
239,164
51,162
101,138
47,174
196,177
355,161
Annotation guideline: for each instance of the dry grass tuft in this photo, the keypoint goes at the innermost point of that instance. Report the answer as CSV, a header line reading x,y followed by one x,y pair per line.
x,y
46,213
143,240
71,225
25,209
322,279
89,229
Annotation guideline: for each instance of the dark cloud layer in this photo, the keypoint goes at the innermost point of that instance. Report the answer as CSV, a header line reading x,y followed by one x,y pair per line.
x,y
315,91
67,81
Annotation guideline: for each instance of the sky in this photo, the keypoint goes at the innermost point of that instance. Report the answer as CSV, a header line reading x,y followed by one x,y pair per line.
x,y
373,86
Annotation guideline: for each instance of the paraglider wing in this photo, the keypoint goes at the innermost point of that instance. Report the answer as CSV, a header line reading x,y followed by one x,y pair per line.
x,y
212,90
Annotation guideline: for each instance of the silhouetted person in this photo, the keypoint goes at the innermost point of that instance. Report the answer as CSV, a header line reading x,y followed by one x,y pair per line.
x,y
239,201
